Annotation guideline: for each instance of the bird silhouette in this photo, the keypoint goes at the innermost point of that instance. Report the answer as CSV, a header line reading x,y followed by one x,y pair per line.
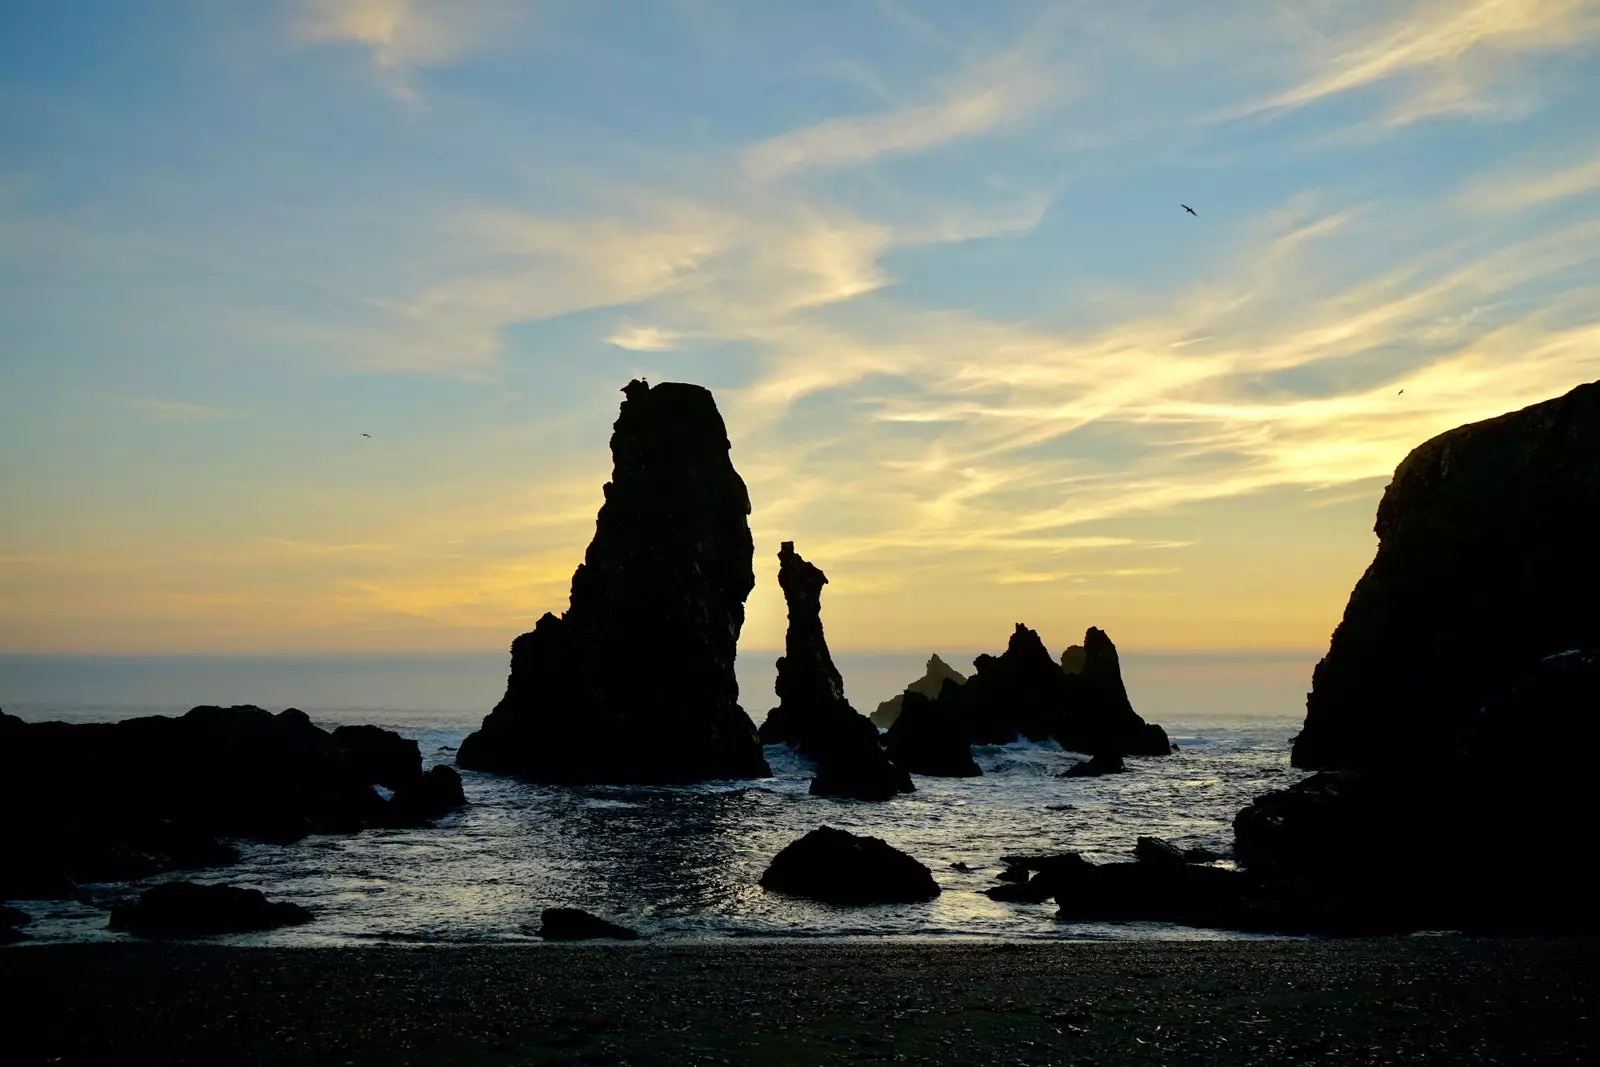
x,y
1400,393
366,435
1190,210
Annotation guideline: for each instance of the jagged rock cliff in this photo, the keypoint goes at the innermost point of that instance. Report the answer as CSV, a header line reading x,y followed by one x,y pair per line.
x,y
1025,692
635,682
1486,563
1099,717
813,717
932,681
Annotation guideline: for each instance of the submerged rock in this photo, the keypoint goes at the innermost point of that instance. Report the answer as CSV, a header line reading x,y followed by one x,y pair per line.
x,y
1485,565
838,867
635,682
929,685
572,924
183,908
930,737
157,793
813,717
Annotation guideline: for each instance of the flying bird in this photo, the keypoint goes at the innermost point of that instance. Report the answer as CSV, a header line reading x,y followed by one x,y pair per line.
x,y
1400,393
366,435
1190,210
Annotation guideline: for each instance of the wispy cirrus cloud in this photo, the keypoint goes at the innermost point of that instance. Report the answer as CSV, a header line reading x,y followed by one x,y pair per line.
x,y
1529,188
1449,53
999,95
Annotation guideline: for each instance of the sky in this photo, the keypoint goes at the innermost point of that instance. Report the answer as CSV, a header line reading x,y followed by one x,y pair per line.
x,y
975,359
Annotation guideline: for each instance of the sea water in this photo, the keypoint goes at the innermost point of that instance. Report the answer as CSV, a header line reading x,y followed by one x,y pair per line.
x,y
684,861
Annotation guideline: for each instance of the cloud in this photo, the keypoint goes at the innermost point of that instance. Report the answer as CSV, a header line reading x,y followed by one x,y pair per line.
x,y
991,97
1450,51
645,338
403,36
1025,438
175,410
1512,193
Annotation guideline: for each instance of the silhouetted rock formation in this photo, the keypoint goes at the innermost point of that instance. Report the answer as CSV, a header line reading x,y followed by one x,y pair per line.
x,y
11,921
1160,850
1049,876
155,794
929,685
428,796
1486,564
838,867
1020,692
1100,719
1079,702
571,924
930,737
1445,713
382,755
813,717
1189,894
635,682
185,909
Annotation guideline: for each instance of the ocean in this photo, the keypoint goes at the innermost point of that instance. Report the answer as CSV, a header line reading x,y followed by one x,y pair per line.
x,y
683,861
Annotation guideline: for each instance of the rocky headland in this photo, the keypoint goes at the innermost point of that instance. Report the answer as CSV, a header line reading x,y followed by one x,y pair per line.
x,y
634,683
1449,718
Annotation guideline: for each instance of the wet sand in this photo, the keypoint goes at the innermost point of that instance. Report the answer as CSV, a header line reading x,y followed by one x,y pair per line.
x,y
1446,1000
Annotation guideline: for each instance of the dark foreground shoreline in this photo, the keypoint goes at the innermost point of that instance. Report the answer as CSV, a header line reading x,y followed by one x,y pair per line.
x,y
1409,1000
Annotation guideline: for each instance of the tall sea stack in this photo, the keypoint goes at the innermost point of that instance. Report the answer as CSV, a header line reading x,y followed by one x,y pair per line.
x,y
1486,564
813,717
635,682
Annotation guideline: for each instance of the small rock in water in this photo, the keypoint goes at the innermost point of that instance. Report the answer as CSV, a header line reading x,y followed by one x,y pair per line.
x,y
838,867
1095,766
187,909
574,924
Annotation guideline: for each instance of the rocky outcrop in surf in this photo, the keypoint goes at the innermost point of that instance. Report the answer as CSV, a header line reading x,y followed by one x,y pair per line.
x,y
184,909
838,867
1485,565
813,717
929,685
635,683
159,793
1025,693
573,924
930,737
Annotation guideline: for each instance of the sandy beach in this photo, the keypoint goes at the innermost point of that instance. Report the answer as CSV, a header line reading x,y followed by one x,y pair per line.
x,y
1446,1000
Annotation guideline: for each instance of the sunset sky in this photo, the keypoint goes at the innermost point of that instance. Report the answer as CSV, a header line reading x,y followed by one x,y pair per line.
x,y
975,359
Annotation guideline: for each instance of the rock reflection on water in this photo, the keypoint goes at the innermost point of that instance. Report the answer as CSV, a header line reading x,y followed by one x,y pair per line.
x,y
684,861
